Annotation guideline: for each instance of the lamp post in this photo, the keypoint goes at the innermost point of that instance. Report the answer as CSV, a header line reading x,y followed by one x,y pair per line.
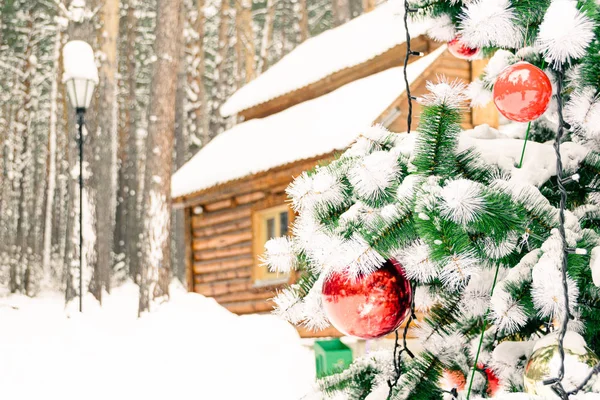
x,y
80,78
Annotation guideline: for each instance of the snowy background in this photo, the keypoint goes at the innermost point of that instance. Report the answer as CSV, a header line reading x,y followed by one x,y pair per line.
x,y
189,347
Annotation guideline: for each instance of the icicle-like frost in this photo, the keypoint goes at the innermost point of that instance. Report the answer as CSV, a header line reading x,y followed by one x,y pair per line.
x,y
449,93
289,306
475,298
582,111
375,138
497,249
417,262
462,201
547,290
319,246
424,300
375,173
565,32
314,317
458,269
313,194
279,255
490,23
442,29
507,313
356,257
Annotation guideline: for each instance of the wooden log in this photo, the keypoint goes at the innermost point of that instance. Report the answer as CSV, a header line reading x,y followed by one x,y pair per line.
x,y
236,250
218,288
223,275
250,197
207,267
218,205
226,227
218,217
245,296
187,226
249,307
217,242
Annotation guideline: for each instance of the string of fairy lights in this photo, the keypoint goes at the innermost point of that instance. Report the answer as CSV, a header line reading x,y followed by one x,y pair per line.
x,y
555,383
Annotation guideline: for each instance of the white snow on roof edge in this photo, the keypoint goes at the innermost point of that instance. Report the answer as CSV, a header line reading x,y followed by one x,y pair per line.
x,y
359,40
310,129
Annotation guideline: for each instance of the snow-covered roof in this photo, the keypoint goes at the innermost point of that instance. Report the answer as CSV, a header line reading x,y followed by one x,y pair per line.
x,y
309,129
348,45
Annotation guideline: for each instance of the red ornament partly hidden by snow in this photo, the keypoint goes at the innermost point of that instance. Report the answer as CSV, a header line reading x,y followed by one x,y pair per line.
x,y
493,381
459,49
370,306
522,92
453,379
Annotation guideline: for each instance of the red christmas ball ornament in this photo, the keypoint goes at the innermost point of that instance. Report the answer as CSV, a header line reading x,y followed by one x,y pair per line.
x,y
452,379
459,49
522,92
493,381
370,306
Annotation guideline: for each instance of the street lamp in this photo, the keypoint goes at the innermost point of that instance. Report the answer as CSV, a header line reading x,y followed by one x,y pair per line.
x,y
80,78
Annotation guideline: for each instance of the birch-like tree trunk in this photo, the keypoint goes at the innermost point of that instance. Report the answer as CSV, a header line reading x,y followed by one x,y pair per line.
x,y
155,257
263,62
51,185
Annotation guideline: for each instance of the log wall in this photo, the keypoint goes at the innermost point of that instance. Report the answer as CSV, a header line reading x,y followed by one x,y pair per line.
x,y
220,252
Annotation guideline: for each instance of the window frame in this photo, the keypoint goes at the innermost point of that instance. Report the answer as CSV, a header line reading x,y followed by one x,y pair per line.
x,y
260,214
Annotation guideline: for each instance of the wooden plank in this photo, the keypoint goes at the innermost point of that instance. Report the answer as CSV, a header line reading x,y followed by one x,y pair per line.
x,y
218,205
245,296
217,242
489,113
187,226
236,250
226,227
217,288
250,307
223,275
219,217
250,197
208,267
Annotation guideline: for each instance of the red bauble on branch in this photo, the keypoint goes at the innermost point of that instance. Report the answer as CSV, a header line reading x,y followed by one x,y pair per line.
x,y
522,92
370,306
459,49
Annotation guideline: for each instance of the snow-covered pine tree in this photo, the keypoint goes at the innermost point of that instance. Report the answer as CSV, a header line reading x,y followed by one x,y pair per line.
x,y
503,265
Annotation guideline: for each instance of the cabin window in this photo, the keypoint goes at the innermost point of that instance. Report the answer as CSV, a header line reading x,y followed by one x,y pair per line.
x,y
268,223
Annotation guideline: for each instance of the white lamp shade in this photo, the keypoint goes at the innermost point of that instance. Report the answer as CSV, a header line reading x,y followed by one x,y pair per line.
x,y
80,92
81,73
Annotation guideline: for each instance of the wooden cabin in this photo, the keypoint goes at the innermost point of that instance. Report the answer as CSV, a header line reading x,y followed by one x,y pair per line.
x,y
338,83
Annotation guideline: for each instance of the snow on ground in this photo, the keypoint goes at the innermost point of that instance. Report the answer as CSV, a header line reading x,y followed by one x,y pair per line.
x,y
188,348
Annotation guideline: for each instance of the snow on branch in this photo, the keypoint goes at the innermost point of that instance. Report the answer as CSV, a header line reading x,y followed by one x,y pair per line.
x,y
491,23
280,255
565,32
449,93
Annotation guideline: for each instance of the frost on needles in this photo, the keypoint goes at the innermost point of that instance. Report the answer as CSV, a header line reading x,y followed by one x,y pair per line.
x,y
455,222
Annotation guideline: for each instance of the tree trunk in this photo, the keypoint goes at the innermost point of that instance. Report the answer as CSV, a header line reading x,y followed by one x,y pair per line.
x,y
341,11
195,74
368,5
304,33
267,36
51,186
159,157
104,145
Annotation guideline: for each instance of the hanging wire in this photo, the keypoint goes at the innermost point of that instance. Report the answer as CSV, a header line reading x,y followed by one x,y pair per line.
x,y
557,382
399,350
